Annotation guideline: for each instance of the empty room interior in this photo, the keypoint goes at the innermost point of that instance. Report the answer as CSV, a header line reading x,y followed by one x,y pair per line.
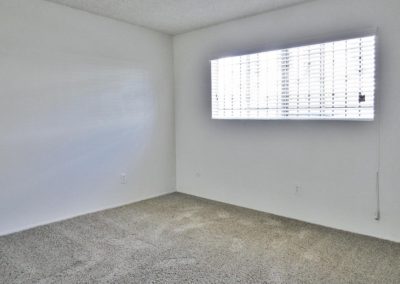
x,y
199,141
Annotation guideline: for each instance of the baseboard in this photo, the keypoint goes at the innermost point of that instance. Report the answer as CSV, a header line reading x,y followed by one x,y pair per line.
x,y
291,218
32,226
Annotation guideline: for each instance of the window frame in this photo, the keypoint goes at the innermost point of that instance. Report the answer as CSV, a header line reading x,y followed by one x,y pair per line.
x,y
326,38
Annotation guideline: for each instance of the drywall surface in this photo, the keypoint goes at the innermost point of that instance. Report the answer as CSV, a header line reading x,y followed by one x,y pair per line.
x,y
83,99
258,164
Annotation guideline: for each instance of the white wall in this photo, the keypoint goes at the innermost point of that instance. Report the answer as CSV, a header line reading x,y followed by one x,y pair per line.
x,y
257,164
82,100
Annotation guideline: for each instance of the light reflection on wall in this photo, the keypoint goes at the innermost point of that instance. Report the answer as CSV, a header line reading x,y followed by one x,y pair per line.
x,y
81,121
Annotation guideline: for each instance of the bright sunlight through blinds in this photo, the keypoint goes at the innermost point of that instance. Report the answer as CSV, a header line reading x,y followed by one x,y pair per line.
x,y
327,81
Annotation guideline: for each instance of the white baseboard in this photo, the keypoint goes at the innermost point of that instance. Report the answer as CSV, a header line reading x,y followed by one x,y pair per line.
x,y
32,226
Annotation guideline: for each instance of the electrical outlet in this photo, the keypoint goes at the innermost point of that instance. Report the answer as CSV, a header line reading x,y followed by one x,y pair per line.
x,y
297,189
122,178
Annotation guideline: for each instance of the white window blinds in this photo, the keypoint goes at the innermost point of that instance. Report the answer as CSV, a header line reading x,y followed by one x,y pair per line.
x,y
334,80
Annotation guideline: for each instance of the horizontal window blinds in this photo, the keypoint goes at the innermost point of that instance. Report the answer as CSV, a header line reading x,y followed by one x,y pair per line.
x,y
334,80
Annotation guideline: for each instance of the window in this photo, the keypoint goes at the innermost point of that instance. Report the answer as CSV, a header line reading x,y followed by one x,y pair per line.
x,y
328,81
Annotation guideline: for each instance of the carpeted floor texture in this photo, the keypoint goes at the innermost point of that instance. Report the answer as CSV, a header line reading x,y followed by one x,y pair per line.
x,y
183,239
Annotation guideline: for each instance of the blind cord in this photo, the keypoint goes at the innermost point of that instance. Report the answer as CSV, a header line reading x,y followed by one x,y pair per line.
x,y
378,118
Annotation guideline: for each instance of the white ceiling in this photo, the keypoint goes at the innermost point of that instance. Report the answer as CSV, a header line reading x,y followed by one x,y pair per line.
x,y
177,16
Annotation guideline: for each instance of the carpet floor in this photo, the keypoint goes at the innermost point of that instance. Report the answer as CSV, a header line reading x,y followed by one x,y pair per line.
x,y
183,239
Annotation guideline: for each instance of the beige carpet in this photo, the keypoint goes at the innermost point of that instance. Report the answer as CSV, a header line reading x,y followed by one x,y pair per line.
x,y
183,239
